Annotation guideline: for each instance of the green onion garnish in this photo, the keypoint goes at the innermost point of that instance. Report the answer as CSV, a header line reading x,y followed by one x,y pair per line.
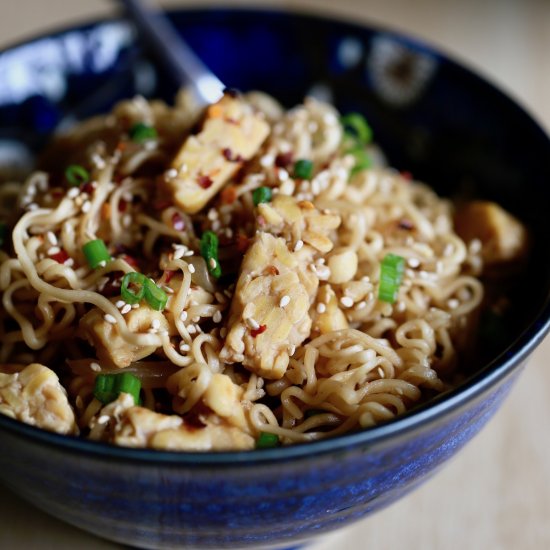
x,y
142,132
262,194
153,294
362,159
77,175
96,253
391,275
109,386
136,279
303,169
357,128
3,233
209,251
267,441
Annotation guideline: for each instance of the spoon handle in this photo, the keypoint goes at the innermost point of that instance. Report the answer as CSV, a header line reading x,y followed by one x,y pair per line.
x,y
171,50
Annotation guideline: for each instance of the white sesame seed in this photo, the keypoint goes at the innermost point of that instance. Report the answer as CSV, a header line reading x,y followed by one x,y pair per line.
x,y
321,308
401,306
95,367
323,272
346,301
212,263
73,192
32,206
191,268
285,300
135,306
217,317
361,305
109,318
183,316
189,253
283,174
102,263
120,303
220,297
127,220
53,250
453,303
178,253
126,309
184,347
168,289
252,323
380,372
127,196
153,330
267,160
103,419
69,262
475,246
52,239
413,262
170,174
299,245
195,319
155,323
212,214
192,329
98,161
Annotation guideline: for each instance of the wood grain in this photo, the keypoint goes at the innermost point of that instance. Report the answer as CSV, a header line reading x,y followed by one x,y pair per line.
x,y
496,493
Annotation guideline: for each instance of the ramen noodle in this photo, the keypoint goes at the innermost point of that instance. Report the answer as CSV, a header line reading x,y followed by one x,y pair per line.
x,y
236,278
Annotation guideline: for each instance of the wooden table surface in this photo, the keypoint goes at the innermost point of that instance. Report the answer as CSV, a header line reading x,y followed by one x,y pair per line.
x,y
496,493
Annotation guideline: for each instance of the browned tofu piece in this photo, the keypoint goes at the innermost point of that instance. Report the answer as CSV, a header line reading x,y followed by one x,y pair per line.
x,y
269,312
111,348
503,237
35,396
232,133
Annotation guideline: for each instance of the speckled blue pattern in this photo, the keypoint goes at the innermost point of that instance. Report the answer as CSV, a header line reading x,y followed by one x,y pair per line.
x,y
432,117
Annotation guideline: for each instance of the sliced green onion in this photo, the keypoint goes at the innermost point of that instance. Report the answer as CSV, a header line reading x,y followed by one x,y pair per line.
x,y
96,253
142,132
135,278
209,251
267,441
108,387
303,169
3,233
362,159
262,194
77,175
357,128
391,275
155,296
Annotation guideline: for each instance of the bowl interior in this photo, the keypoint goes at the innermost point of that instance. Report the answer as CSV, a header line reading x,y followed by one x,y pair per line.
x,y
431,116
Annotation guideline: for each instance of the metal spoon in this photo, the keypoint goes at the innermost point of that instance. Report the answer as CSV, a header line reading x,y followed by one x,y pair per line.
x,y
173,52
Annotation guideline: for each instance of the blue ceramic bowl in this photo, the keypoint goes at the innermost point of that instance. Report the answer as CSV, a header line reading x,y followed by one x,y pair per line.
x,y
432,117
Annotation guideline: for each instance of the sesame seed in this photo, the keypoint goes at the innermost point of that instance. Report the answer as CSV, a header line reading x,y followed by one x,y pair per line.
x,y
135,306
126,220
69,262
170,174
53,250
283,174
52,239
168,289
475,246
252,323
212,214
321,308
109,318
95,367
299,245
32,206
413,262
73,193
184,347
155,323
191,268
103,419
285,300
126,309
192,329
153,331
267,160
346,301
102,282
217,317
195,319
178,253
212,263
361,305
380,372
102,263
220,297
189,253
183,316
120,303
401,306
453,303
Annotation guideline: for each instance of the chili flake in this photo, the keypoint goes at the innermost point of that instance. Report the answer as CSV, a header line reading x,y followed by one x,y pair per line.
x,y
282,160
229,194
205,181
60,257
255,331
230,155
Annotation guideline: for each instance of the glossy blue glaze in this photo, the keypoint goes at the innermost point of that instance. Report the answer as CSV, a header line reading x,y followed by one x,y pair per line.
x,y
434,118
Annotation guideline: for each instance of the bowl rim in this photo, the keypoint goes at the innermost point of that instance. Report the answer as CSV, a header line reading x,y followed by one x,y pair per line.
x,y
489,376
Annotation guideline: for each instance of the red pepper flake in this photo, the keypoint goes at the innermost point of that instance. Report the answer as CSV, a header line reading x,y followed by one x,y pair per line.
x,y
406,175
60,257
230,120
282,160
230,156
122,205
405,224
57,193
167,276
161,204
130,260
178,223
255,331
205,181
229,194
88,187
242,242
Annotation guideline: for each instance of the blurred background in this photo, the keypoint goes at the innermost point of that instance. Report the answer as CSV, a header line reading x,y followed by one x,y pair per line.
x,y
496,493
